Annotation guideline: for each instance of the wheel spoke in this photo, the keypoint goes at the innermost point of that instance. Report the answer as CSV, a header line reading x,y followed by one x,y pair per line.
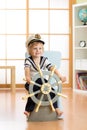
x,y
30,95
53,91
34,83
52,72
56,84
41,74
49,79
37,108
50,101
59,94
42,78
36,92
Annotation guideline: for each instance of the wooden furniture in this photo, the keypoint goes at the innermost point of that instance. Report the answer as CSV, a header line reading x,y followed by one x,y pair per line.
x,y
12,68
79,52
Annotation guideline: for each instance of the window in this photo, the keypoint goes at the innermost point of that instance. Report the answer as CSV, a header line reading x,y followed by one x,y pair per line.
x,y
50,18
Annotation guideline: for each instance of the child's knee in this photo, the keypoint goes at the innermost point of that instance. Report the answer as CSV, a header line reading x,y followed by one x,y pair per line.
x,y
27,86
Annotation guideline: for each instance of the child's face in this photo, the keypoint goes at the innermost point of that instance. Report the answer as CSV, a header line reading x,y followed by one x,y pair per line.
x,y
36,50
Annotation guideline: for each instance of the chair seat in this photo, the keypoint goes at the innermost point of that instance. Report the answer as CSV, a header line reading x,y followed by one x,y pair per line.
x,y
44,114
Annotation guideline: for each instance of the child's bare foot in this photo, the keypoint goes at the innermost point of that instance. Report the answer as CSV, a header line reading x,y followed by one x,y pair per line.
x,y
27,113
58,111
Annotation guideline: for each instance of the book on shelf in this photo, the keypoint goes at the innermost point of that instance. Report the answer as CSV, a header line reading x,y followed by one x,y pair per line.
x,y
81,80
77,81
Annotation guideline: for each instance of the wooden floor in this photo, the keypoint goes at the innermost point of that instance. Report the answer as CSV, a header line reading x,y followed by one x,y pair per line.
x,y
12,117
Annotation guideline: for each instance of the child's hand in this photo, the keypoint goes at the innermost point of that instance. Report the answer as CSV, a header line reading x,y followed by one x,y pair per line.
x,y
63,78
28,79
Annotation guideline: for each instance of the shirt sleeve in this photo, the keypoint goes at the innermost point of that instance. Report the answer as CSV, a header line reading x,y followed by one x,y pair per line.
x,y
27,63
48,64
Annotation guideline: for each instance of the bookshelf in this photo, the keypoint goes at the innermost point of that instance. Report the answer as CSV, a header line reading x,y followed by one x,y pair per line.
x,y
79,53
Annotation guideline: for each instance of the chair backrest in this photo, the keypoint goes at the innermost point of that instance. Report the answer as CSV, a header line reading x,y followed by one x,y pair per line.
x,y
53,56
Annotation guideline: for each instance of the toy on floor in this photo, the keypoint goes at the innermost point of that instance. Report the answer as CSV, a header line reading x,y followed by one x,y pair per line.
x,y
43,100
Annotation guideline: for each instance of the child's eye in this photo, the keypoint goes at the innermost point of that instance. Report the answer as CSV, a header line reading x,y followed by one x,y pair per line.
x,y
35,48
40,48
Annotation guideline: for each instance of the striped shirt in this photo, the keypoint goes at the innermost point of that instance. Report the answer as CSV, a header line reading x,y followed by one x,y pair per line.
x,y
44,65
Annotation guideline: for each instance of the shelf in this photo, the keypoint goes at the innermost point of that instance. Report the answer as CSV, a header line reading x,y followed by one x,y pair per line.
x,y
82,48
79,53
80,70
81,64
81,26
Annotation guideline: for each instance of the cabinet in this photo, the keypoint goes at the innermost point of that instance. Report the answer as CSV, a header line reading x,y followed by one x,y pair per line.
x,y
79,53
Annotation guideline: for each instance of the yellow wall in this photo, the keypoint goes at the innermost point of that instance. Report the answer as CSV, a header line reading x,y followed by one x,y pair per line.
x,y
81,1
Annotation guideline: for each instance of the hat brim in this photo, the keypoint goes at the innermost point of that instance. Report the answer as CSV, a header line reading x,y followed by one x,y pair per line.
x,y
36,40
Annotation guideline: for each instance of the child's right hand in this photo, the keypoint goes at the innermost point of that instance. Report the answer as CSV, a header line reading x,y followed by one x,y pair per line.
x,y
28,79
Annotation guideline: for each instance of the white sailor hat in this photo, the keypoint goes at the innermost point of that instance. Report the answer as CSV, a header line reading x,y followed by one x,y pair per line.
x,y
34,38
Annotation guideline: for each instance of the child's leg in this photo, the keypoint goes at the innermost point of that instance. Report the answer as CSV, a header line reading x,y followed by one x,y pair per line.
x,y
57,109
59,112
60,106
30,105
59,103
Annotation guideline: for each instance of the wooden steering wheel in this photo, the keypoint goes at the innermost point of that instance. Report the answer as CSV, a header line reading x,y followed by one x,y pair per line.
x,y
44,98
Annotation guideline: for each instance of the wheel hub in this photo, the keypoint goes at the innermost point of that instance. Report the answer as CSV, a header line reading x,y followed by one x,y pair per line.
x,y
46,88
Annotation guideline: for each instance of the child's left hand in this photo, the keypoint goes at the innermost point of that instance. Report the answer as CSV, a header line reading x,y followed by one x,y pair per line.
x,y
63,78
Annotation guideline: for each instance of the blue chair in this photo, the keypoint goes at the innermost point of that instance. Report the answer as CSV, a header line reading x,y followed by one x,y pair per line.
x,y
54,57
